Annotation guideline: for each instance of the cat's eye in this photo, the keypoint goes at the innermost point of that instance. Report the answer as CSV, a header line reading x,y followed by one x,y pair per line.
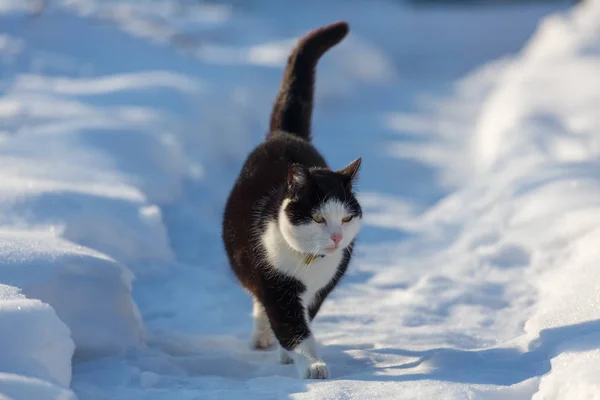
x,y
347,219
318,219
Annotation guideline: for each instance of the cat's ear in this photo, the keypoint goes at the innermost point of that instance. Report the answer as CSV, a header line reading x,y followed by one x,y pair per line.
x,y
350,172
297,176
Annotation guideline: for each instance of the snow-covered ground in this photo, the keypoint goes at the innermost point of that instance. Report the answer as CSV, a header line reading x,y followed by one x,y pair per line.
x,y
124,123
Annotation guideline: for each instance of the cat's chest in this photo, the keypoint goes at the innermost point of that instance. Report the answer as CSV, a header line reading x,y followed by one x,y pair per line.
x,y
317,275
314,276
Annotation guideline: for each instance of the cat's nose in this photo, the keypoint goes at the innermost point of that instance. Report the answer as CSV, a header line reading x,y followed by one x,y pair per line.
x,y
337,238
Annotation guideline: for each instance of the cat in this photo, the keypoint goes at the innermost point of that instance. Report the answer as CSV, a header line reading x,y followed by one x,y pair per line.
x,y
290,222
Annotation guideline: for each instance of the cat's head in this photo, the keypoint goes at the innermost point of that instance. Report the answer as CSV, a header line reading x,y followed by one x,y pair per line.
x,y
320,213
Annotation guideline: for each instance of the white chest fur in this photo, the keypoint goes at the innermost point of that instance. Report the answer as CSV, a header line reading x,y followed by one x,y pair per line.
x,y
284,259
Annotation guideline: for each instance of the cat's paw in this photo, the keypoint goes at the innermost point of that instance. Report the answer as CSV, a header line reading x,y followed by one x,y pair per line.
x,y
284,357
316,370
262,340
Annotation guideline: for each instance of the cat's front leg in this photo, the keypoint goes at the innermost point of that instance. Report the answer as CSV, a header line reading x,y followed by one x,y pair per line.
x,y
305,358
289,323
284,357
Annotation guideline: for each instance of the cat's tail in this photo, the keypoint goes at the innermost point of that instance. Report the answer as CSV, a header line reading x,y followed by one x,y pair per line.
x,y
293,107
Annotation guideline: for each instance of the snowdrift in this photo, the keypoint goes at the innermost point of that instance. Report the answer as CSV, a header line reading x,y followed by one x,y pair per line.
x,y
34,341
476,280
79,182
517,232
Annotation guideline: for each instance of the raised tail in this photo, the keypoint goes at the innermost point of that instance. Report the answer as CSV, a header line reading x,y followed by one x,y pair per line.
x,y
293,107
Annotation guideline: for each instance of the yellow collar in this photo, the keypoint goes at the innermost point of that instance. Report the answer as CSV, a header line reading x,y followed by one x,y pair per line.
x,y
311,257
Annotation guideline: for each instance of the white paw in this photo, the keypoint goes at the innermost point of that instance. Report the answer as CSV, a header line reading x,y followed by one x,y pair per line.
x,y
262,340
317,370
284,357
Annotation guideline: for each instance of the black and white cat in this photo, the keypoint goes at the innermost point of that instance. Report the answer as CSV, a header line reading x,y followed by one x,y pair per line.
x,y
290,221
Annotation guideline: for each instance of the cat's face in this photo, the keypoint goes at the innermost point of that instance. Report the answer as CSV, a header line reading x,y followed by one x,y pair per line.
x,y
320,214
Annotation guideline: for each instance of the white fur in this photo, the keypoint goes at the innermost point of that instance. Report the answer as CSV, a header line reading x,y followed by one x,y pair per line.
x,y
291,263
314,237
287,245
284,357
307,363
263,337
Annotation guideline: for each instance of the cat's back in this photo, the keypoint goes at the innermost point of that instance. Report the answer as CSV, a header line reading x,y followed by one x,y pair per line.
x,y
267,166
272,158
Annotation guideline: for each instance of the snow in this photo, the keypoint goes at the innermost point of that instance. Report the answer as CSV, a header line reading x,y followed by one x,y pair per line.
x,y
78,283
475,275
16,387
36,341
33,342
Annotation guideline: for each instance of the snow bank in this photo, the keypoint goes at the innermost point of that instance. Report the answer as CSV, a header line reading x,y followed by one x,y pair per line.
x,y
36,348
85,161
574,374
90,292
34,341
78,187
18,387
62,178
538,134
526,211
551,91
96,172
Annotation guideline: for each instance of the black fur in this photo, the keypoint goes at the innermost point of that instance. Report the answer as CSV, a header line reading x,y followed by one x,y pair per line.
x,y
293,107
286,165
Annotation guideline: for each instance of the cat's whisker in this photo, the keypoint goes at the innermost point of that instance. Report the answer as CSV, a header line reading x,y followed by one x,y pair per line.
x,y
301,260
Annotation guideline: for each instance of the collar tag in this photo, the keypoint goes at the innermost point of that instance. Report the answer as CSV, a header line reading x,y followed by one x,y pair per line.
x,y
311,257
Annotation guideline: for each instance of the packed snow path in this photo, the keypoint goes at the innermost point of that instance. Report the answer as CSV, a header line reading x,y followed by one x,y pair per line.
x,y
476,273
